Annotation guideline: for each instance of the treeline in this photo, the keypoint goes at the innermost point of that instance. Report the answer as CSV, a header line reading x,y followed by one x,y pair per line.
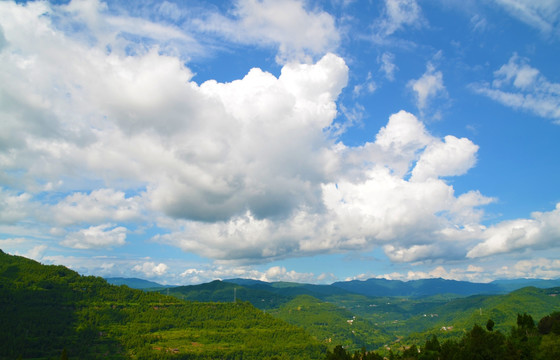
x,y
524,342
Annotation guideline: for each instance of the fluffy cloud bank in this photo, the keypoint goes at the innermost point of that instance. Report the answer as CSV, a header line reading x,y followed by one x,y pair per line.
x,y
386,201
106,134
542,231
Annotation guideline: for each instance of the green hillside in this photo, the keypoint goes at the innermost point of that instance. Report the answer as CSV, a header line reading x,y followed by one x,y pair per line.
x,y
50,309
459,315
220,291
331,324
376,320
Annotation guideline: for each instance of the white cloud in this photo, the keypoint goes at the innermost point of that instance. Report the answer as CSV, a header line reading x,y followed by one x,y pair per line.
x,y
539,268
540,232
543,15
520,86
400,13
36,252
404,136
272,274
472,273
247,171
376,206
279,273
150,269
203,152
368,86
106,266
262,152
94,237
450,157
428,86
14,207
388,66
297,31
478,23
11,242
96,207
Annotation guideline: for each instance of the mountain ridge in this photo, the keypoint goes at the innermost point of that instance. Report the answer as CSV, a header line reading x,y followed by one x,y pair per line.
x,y
374,287
135,283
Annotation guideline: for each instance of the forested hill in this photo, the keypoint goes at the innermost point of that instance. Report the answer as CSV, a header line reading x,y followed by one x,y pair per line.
x,y
51,311
220,291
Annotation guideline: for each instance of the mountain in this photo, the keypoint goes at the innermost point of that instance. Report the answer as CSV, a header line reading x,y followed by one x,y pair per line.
x,y
514,284
134,283
226,292
49,310
291,289
430,287
417,288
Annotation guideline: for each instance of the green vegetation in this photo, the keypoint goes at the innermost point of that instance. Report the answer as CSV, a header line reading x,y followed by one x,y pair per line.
x,y
219,291
525,341
456,317
52,312
331,324
325,311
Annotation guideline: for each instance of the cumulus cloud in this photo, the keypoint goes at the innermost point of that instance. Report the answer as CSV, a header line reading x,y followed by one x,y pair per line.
x,y
272,274
242,172
450,157
203,152
540,232
520,86
150,269
14,207
249,156
101,236
470,273
428,86
378,206
96,207
537,268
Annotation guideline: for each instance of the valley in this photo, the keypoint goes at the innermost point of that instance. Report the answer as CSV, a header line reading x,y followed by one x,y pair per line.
x,y
53,312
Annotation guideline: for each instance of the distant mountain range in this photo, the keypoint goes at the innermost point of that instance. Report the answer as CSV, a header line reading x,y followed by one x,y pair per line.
x,y
135,283
418,288
378,311
370,287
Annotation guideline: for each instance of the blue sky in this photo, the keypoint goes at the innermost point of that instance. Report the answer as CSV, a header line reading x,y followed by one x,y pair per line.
x,y
310,141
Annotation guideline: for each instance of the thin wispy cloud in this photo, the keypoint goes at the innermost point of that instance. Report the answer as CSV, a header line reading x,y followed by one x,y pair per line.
x,y
520,86
542,15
